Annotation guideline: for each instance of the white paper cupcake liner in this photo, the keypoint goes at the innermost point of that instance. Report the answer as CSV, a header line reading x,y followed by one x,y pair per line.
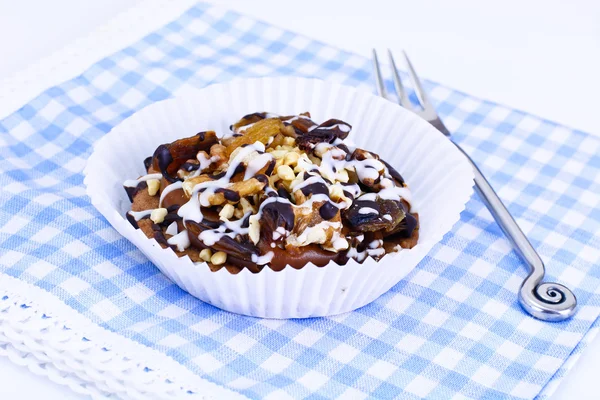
x,y
440,178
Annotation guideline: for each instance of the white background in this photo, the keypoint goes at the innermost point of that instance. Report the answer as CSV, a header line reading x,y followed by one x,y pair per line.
x,y
539,56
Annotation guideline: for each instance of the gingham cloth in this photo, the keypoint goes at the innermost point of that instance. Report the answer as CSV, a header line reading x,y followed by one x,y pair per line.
x,y
451,329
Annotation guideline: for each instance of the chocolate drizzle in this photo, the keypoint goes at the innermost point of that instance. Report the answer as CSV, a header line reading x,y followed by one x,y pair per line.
x,y
315,188
270,168
163,158
282,192
394,174
229,194
328,211
147,163
132,191
189,167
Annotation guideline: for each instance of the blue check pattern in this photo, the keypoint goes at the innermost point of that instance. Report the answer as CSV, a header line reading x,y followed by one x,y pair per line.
x,y
451,329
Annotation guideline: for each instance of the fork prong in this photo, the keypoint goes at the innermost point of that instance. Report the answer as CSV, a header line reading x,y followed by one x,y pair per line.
x,y
416,82
402,97
378,77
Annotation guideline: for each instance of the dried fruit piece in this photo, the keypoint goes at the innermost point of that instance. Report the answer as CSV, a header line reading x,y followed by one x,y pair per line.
x,y
168,158
276,215
372,216
338,127
261,131
248,119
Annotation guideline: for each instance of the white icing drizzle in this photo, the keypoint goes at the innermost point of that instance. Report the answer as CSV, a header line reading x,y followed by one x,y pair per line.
x,y
211,236
396,193
308,236
367,210
376,252
169,189
368,169
256,164
342,127
205,162
353,189
191,210
368,197
290,120
172,229
333,161
135,182
309,181
375,244
181,240
279,232
137,215
264,259
387,216
357,255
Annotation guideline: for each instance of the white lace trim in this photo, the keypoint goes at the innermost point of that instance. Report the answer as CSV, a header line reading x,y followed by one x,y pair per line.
x,y
32,321
39,331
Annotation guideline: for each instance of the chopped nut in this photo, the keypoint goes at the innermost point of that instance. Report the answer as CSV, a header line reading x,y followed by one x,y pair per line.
x,y
321,149
289,141
277,154
188,185
336,192
158,215
316,235
291,158
243,189
234,153
206,254
299,197
246,206
278,163
285,173
273,179
153,186
301,163
226,212
254,229
238,213
315,160
313,234
218,258
219,152
247,187
298,180
277,141
342,176
289,131
188,188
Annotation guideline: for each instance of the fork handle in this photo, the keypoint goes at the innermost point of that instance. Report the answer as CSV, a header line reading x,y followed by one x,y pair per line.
x,y
545,301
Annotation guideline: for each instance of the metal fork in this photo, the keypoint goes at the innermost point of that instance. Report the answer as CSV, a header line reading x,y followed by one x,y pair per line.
x,y
545,301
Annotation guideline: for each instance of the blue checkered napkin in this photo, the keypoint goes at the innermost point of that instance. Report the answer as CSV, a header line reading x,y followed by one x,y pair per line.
x,y
452,329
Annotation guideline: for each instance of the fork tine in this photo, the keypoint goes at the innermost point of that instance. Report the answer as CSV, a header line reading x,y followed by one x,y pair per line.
x,y
378,77
402,97
416,82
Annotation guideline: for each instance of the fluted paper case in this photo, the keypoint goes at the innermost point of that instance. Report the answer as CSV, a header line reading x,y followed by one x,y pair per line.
x,y
440,178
